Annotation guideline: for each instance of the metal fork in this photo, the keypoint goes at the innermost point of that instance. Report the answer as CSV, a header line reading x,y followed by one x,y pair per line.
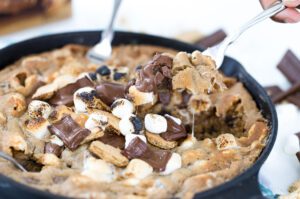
x,y
102,51
12,160
217,52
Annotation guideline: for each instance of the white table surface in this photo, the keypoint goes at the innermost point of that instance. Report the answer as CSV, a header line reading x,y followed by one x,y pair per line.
x,y
259,50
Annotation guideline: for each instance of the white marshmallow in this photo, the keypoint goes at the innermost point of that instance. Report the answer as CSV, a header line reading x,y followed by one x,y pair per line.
x,y
96,120
38,108
130,137
226,141
122,108
189,142
137,169
99,170
155,123
80,104
38,128
173,164
127,125
175,119
55,140
292,145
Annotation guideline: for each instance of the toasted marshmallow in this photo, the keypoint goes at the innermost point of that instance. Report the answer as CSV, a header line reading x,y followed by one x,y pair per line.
x,y
95,121
122,108
38,127
155,123
175,119
141,98
226,141
131,124
98,170
138,169
55,140
47,91
38,108
173,164
292,145
17,142
48,159
130,137
83,99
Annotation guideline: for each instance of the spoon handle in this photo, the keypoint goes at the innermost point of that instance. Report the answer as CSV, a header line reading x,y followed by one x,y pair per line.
x,y
12,160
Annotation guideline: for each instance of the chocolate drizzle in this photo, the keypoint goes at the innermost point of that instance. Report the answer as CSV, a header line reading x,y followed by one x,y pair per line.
x,y
64,96
157,158
69,132
174,131
109,92
113,139
155,75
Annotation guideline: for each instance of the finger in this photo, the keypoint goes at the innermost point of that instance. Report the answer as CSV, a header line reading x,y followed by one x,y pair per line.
x,y
289,15
266,3
291,3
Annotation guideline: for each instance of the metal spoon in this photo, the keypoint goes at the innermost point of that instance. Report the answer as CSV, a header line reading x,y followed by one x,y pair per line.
x,y
217,52
102,51
12,160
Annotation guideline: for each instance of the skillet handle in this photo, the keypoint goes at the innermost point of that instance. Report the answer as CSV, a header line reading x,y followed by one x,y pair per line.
x,y
248,189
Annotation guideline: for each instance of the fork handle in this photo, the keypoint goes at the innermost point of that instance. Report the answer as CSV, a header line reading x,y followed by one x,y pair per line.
x,y
109,31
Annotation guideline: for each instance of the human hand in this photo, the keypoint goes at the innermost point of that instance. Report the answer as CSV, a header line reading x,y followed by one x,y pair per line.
x,y
289,15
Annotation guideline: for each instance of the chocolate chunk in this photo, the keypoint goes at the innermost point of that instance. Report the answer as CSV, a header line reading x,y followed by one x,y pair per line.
x,y
103,70
93,76
174,131
108,92
69,132
113,139
275,91
64,96
164,96
53,148
281,96
139,67
157,158
155,75
137,124
298,155
118,76
290,66
295,99
212,39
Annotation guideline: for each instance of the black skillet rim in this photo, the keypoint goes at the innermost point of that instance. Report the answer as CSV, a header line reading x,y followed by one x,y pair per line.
x,y
139,38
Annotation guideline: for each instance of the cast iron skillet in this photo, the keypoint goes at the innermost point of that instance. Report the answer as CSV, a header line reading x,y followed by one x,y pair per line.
x,y
244,185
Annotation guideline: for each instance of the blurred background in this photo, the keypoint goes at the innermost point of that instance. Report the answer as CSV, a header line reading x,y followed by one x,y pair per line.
x,y
259,50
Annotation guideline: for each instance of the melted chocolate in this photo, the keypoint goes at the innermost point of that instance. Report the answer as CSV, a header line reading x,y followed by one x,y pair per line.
x,y
164,96
174,131
155,75
53,148
113,139
69,132
157,158
108,92
185,99
64,96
